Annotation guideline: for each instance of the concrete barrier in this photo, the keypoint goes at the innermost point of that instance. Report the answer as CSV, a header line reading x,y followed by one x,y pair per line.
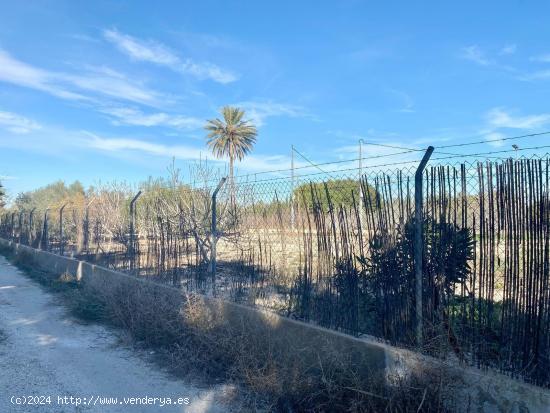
x,y
480,391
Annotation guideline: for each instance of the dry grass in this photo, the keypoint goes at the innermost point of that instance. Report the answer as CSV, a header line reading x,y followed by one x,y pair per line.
x,y
274,371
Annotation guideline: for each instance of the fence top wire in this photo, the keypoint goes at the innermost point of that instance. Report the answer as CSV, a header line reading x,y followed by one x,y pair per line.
x,y
530,135
402,151
377,167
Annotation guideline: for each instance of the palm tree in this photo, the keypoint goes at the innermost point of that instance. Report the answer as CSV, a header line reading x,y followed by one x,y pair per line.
x,y
232,137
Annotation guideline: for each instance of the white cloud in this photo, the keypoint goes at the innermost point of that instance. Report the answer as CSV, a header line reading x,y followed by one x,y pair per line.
x,y
499,118
544,58
508,49
475,54
406,99
123,144
207,70
258,112
157,53
494,138
67,144
139,50
16,123
132,116
103,81
539,75
83,38
117,88
263,163
253,163
22,74
371,53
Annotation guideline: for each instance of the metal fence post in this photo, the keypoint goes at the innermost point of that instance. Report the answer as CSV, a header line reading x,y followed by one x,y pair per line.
x,y
61,244
31,219
85,230
132,246
418,242
20,227
12,226
214,233
292,184
44,239
360,184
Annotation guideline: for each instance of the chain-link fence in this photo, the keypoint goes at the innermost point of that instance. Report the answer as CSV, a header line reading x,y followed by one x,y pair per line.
x,y
339,249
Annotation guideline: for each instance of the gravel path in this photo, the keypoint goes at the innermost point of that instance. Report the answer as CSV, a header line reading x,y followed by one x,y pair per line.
x,y
43,352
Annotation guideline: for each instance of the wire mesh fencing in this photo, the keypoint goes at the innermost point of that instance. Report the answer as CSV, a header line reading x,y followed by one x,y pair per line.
x,y
338,249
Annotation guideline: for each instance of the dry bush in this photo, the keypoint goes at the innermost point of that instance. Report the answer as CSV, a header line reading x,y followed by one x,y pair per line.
x,y
146,313
22,259
278,372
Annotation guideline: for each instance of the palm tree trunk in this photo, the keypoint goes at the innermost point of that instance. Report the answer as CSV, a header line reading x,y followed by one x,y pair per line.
x,y
231,181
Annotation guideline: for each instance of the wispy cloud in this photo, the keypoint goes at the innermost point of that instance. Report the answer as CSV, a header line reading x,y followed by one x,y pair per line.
x,y
258,112
265,163
407,101
115,87
544,58
115,146
132,116
509,49
48,141
478,56
16,123
474,54
370,54
122,144
493,138
22,74
65,143
157,53
538,75
81,87
500,118
148,51
84,38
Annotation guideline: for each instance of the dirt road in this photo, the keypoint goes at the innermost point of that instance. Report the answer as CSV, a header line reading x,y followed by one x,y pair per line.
x,y
43,352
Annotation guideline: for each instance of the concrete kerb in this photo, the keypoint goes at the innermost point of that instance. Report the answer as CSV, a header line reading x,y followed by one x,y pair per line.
x,y
482,391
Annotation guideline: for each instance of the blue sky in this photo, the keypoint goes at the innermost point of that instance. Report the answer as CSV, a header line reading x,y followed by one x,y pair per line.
x,y
108,90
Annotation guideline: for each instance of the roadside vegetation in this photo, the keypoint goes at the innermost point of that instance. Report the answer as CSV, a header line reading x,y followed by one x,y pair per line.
x,y
270,369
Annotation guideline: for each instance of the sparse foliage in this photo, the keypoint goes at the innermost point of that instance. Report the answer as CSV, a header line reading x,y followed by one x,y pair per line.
x,y
346,192
2,196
